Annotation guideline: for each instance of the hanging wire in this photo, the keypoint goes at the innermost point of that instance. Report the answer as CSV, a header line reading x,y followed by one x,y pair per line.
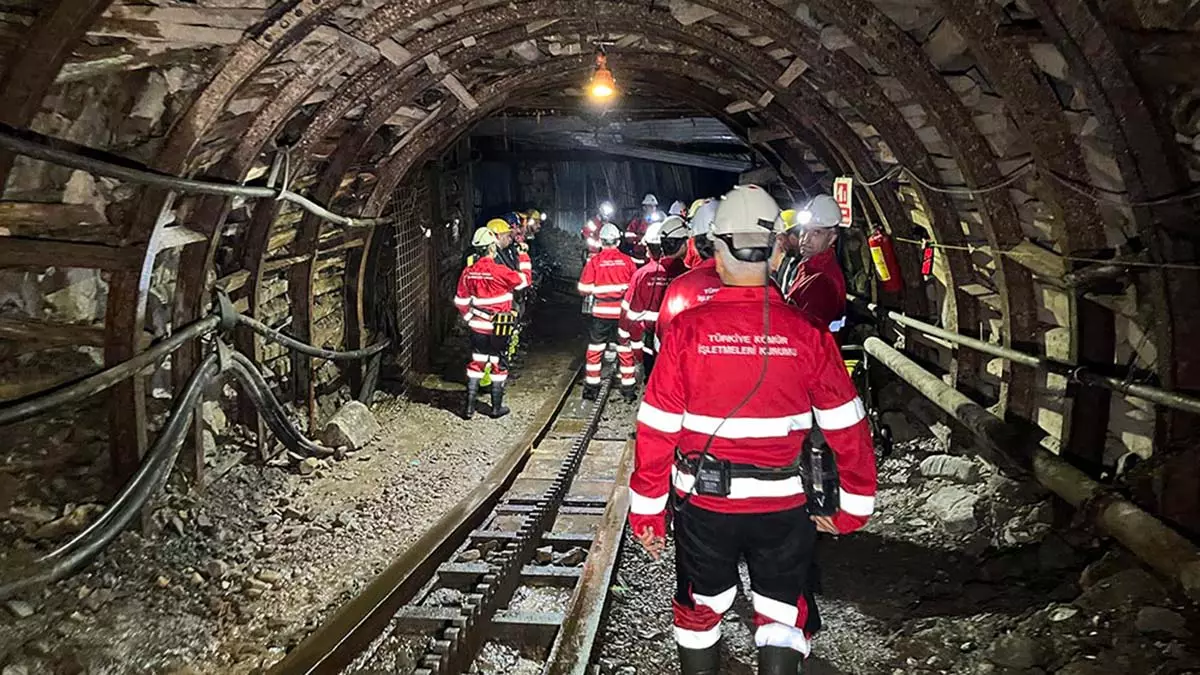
x,y
972,248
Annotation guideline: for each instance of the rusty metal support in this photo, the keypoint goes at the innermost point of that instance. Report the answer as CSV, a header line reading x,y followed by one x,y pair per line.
x,y
1150,167
1160,547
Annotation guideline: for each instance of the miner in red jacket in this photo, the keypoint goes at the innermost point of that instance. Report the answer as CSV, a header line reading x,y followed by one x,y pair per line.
x,y
740,382
666,243
636,229
805,264
590,234
484,299
699,283
604,280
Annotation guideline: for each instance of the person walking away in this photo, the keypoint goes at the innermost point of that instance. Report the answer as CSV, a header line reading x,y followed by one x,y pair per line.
x,y
667,245
604,280
590,234
805,264
699,283
739,383
484,298
636,229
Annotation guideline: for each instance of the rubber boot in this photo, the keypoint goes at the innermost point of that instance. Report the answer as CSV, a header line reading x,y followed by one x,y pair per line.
x,y
700,661
498,409
472,392
629,393
590,392
778,661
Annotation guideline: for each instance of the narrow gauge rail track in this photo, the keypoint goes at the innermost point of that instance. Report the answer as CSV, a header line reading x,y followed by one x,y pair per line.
x,y
548,520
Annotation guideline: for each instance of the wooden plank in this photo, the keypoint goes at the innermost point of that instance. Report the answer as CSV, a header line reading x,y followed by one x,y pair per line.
x,y
50,334
38,253
29,216
177,34
241,19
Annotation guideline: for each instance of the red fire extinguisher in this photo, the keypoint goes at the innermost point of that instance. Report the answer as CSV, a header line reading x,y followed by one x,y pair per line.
x,y
884,256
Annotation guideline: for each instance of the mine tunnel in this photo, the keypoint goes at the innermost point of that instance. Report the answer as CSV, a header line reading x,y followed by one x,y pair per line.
x,y
234,345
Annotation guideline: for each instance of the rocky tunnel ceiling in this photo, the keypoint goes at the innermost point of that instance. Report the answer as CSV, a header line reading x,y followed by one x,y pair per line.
x,y
1032,139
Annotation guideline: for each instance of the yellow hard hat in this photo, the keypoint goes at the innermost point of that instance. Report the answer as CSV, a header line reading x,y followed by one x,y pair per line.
x,y
789,218
691,213
535,215
498,226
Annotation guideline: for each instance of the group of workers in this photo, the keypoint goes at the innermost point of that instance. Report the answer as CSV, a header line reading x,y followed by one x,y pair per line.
x,y
498,270
734,308
731,305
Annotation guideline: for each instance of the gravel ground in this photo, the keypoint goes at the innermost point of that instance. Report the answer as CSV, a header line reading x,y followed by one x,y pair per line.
x,y
960,572
228,580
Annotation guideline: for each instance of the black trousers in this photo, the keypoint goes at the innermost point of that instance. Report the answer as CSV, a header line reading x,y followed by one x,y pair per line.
x,y
778,549
487,349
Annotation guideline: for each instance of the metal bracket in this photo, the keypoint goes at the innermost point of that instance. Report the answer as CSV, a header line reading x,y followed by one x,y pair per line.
x,y
226,311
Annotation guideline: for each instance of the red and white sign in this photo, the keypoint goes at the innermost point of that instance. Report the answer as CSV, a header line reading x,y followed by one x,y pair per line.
x,y
843,192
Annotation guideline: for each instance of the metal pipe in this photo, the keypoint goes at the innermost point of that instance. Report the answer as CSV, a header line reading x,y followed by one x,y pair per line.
x,y
106,378
40,147
1157,395
1145,536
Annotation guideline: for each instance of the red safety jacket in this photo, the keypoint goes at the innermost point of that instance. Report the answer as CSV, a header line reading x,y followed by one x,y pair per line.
x,y
692,258
692,288
646,292
606,278
484,289
591,235
633,239
711,359
819,288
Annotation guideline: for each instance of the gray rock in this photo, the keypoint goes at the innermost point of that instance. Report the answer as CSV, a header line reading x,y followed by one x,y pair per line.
x,y
1049,59
270,577
470,555
19,608
353,426
1123,591
1112,562
444,597
955,508
960,469
1055,555
1016,651
1160,620
571,558
308,466
544,555
947,47
217,569
902,430
15,669
214,417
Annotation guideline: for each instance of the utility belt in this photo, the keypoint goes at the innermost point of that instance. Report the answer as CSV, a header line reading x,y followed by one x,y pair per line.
x,y
714,477
815,466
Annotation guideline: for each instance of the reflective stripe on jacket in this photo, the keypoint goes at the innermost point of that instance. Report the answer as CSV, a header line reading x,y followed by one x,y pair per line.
x,y
485,289
606,277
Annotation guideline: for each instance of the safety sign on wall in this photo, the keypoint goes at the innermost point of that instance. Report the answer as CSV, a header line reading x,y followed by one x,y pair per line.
x,y
843,192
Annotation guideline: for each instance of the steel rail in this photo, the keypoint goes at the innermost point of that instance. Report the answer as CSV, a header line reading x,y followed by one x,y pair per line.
x,y
456,647
40,147
1170,399
351,629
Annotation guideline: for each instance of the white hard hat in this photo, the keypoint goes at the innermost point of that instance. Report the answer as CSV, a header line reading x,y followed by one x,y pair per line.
x,y
749,215
483,238
678,208
650,200
610,234
821,213
673,227
702,221
606,209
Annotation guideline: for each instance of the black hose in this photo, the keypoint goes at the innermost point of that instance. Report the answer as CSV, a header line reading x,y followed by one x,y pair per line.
x,y
37,146
107,378
149,479
272,411
306,349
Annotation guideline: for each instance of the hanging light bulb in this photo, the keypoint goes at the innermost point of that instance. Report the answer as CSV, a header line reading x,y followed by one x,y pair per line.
x,y
602,86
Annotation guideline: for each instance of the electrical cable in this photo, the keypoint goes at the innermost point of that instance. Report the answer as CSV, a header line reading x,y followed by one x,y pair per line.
x,y
970,248
107,378
306,349
42,148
